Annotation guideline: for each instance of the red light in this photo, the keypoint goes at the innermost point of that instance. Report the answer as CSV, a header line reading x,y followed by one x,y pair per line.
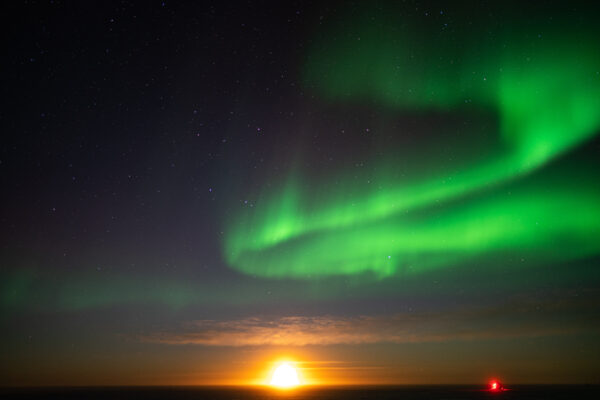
x,y
495,386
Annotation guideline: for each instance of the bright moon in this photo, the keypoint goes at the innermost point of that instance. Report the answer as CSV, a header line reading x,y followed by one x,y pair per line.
x,y
285,376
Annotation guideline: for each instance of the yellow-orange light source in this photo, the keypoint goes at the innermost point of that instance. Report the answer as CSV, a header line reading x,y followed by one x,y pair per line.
x,y
285,376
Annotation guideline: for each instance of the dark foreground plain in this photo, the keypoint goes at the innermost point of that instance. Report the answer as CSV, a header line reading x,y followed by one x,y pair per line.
x,y
313,393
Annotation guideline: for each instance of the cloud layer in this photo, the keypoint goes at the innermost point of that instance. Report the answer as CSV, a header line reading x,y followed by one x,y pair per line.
x,y
471,324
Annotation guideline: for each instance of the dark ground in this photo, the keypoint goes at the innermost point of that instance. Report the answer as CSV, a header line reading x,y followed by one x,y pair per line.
x,y
244,393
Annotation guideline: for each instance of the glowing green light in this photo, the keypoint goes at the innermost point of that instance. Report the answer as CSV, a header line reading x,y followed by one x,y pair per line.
x,y
547,98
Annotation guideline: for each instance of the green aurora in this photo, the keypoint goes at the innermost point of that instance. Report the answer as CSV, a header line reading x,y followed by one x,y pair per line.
x,y
547,99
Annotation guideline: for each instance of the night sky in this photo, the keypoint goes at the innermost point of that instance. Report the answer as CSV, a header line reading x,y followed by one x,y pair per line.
x,y
403,192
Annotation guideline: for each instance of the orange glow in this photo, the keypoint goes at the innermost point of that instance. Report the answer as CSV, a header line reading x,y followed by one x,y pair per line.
x,y
284,376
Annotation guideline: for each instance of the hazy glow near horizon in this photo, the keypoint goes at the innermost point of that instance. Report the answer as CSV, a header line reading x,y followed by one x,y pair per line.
x,y
285,376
